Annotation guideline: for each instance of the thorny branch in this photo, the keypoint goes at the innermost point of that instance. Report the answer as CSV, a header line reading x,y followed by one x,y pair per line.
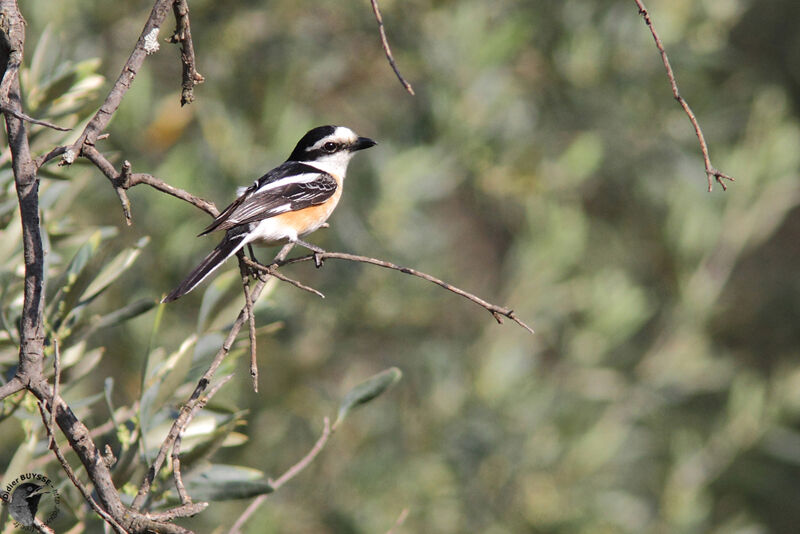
x,y
711,172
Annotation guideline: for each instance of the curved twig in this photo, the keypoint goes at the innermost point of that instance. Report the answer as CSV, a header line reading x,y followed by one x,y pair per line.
x,y
293,471
387,50
711,172
497,311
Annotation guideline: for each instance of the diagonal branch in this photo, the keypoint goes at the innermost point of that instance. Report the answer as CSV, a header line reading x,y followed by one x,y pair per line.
x,y
144,47
497,311
176,447
387,50
28,118
711,172
193,401
293,471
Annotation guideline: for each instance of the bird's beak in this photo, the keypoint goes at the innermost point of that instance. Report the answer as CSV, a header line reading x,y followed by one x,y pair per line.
x,y
41,490
362,143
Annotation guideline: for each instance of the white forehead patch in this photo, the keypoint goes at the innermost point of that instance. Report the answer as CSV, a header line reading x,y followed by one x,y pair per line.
x,y
341,134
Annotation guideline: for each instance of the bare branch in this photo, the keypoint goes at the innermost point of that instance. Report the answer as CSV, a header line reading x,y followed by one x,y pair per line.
x,y
271,271
53,445
183,35
296,469
387,50
31,331
185,510
116,178
101,119
160,185
176,471
194,399
711,172
28,118
400,520
12,386
497,311
251,319
176,447
42,527
44,158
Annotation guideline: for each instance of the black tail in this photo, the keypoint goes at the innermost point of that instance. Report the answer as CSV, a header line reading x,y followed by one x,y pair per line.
x,y
227,248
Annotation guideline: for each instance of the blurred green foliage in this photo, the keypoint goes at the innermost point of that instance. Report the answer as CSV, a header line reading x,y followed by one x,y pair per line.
x,y
543,165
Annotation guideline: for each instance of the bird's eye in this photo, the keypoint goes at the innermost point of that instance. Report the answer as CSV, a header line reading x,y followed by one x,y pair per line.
x,y
330,146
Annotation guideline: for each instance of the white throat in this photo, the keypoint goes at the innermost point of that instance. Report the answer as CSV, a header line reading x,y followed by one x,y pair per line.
x,y
333,164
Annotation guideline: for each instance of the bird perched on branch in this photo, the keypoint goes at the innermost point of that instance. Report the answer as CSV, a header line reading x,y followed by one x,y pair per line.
x,y
289,202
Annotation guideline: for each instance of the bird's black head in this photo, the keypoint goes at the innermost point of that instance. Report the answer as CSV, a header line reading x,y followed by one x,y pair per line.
x,y
25,502
329,142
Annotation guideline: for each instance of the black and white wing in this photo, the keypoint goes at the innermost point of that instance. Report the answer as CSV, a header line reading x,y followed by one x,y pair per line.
x,y
289,187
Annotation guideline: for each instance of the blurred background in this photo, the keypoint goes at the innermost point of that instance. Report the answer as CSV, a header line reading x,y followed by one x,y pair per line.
x,y
543,165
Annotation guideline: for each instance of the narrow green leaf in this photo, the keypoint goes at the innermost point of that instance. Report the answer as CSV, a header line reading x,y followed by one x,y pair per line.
x,y
22,457
63,302
112,270
162,377
219,482
368,390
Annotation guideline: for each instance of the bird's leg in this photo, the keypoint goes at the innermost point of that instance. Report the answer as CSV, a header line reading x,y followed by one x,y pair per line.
x,y
253,271
315,249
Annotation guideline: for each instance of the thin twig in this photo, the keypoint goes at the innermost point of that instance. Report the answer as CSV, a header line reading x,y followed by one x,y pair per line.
x,y
124,81
327,431
293,471
194,399
27,118
497,311
161,185
176,471
176,447
53,445
183,35
388,50
56,384
400,520
116,178
711,172
50,426
271,271
251,318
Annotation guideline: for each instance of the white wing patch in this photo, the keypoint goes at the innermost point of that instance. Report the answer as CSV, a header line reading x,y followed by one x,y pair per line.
x,y
296,179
